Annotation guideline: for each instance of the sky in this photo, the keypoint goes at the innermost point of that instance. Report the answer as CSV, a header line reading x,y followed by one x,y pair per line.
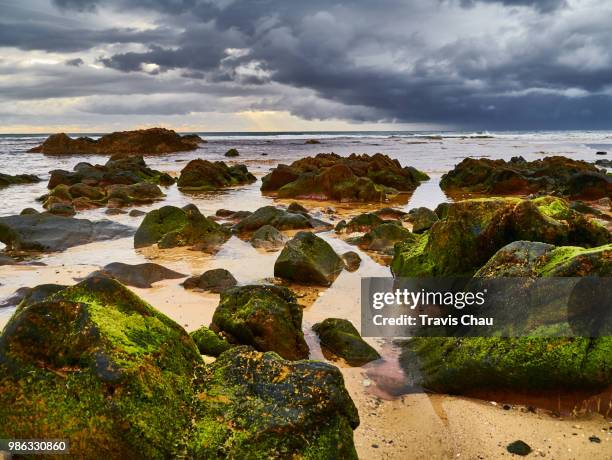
x,y
286,65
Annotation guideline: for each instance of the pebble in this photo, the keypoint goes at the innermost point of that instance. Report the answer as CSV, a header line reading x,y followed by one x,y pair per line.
x,y
594,439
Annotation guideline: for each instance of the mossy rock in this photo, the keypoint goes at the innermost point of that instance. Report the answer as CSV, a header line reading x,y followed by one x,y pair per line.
x,y
204,175
96,364
384,237
475,229
308,259
268,238
360,223
351,260
265,317
421,219
216,280
208,342
254,405
275,217
170,227
340,338
19,179
232,153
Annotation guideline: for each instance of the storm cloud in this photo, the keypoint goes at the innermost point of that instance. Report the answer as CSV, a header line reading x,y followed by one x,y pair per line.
x,y
477,64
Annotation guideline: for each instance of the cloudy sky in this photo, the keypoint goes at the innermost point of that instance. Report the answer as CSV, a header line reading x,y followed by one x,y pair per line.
x,y
248,65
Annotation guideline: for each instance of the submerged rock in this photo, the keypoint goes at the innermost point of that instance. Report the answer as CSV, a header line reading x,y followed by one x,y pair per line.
x,y
340,337
328,176
170,227
277,218
209,343
47,232
421,219
216,280
203,175
554,174
475,229
139,275
153,141
232,153
265,317
258,405
19,179
268,238
96,364
308,259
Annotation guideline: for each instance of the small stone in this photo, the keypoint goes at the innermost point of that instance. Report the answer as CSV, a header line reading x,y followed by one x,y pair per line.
x,y
375,446
594,439
519,448
507,406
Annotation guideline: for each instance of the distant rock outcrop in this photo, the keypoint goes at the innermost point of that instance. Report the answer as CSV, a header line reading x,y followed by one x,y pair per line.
x,y
152,141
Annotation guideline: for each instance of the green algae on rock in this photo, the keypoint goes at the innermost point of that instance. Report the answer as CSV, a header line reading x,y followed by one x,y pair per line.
x,y
474,230
421,219
340,337
279,219
265,317
572,178
170,227
254,405
308,259
19,179
384,237
96,364
332,177
208,342
204,175
360,223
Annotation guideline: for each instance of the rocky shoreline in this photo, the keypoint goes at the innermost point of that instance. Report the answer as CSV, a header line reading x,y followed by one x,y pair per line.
x,y
141,377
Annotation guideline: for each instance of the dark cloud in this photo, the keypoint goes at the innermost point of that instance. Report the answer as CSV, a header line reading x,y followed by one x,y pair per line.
x,y
457,62
77,62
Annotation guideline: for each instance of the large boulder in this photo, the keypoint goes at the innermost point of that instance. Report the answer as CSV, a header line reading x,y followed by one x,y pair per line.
x,y
139,275
257,405
329,176
474,230
170,227
471,364
340,338
360,223
47,232
203,175
277,218
265,317
7,179
153,141
554,174
97,365
308,259
216,280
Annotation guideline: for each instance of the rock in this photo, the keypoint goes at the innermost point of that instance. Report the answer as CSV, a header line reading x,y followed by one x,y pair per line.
x,y
390,213
383,237
7,261
61,209
136,213
421,219
248,399
203,175
7,179
103,368
331,177
475,229
139,275
297,208
31,296
605,163
519,448
216,280
277,218
268,238
340,337
312,142
553,174
47,232
595,439
170,227
308,259
361,223
232,153
351,260
28,211
601,153
153,141
442,210
265,317
209,343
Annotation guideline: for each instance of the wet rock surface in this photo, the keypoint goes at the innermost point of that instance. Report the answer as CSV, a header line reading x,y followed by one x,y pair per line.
x,y
209,343
153,141
279,219
19,179
572,178
203,175
216,280
139,275
328,176
340,338
268,238
265,317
